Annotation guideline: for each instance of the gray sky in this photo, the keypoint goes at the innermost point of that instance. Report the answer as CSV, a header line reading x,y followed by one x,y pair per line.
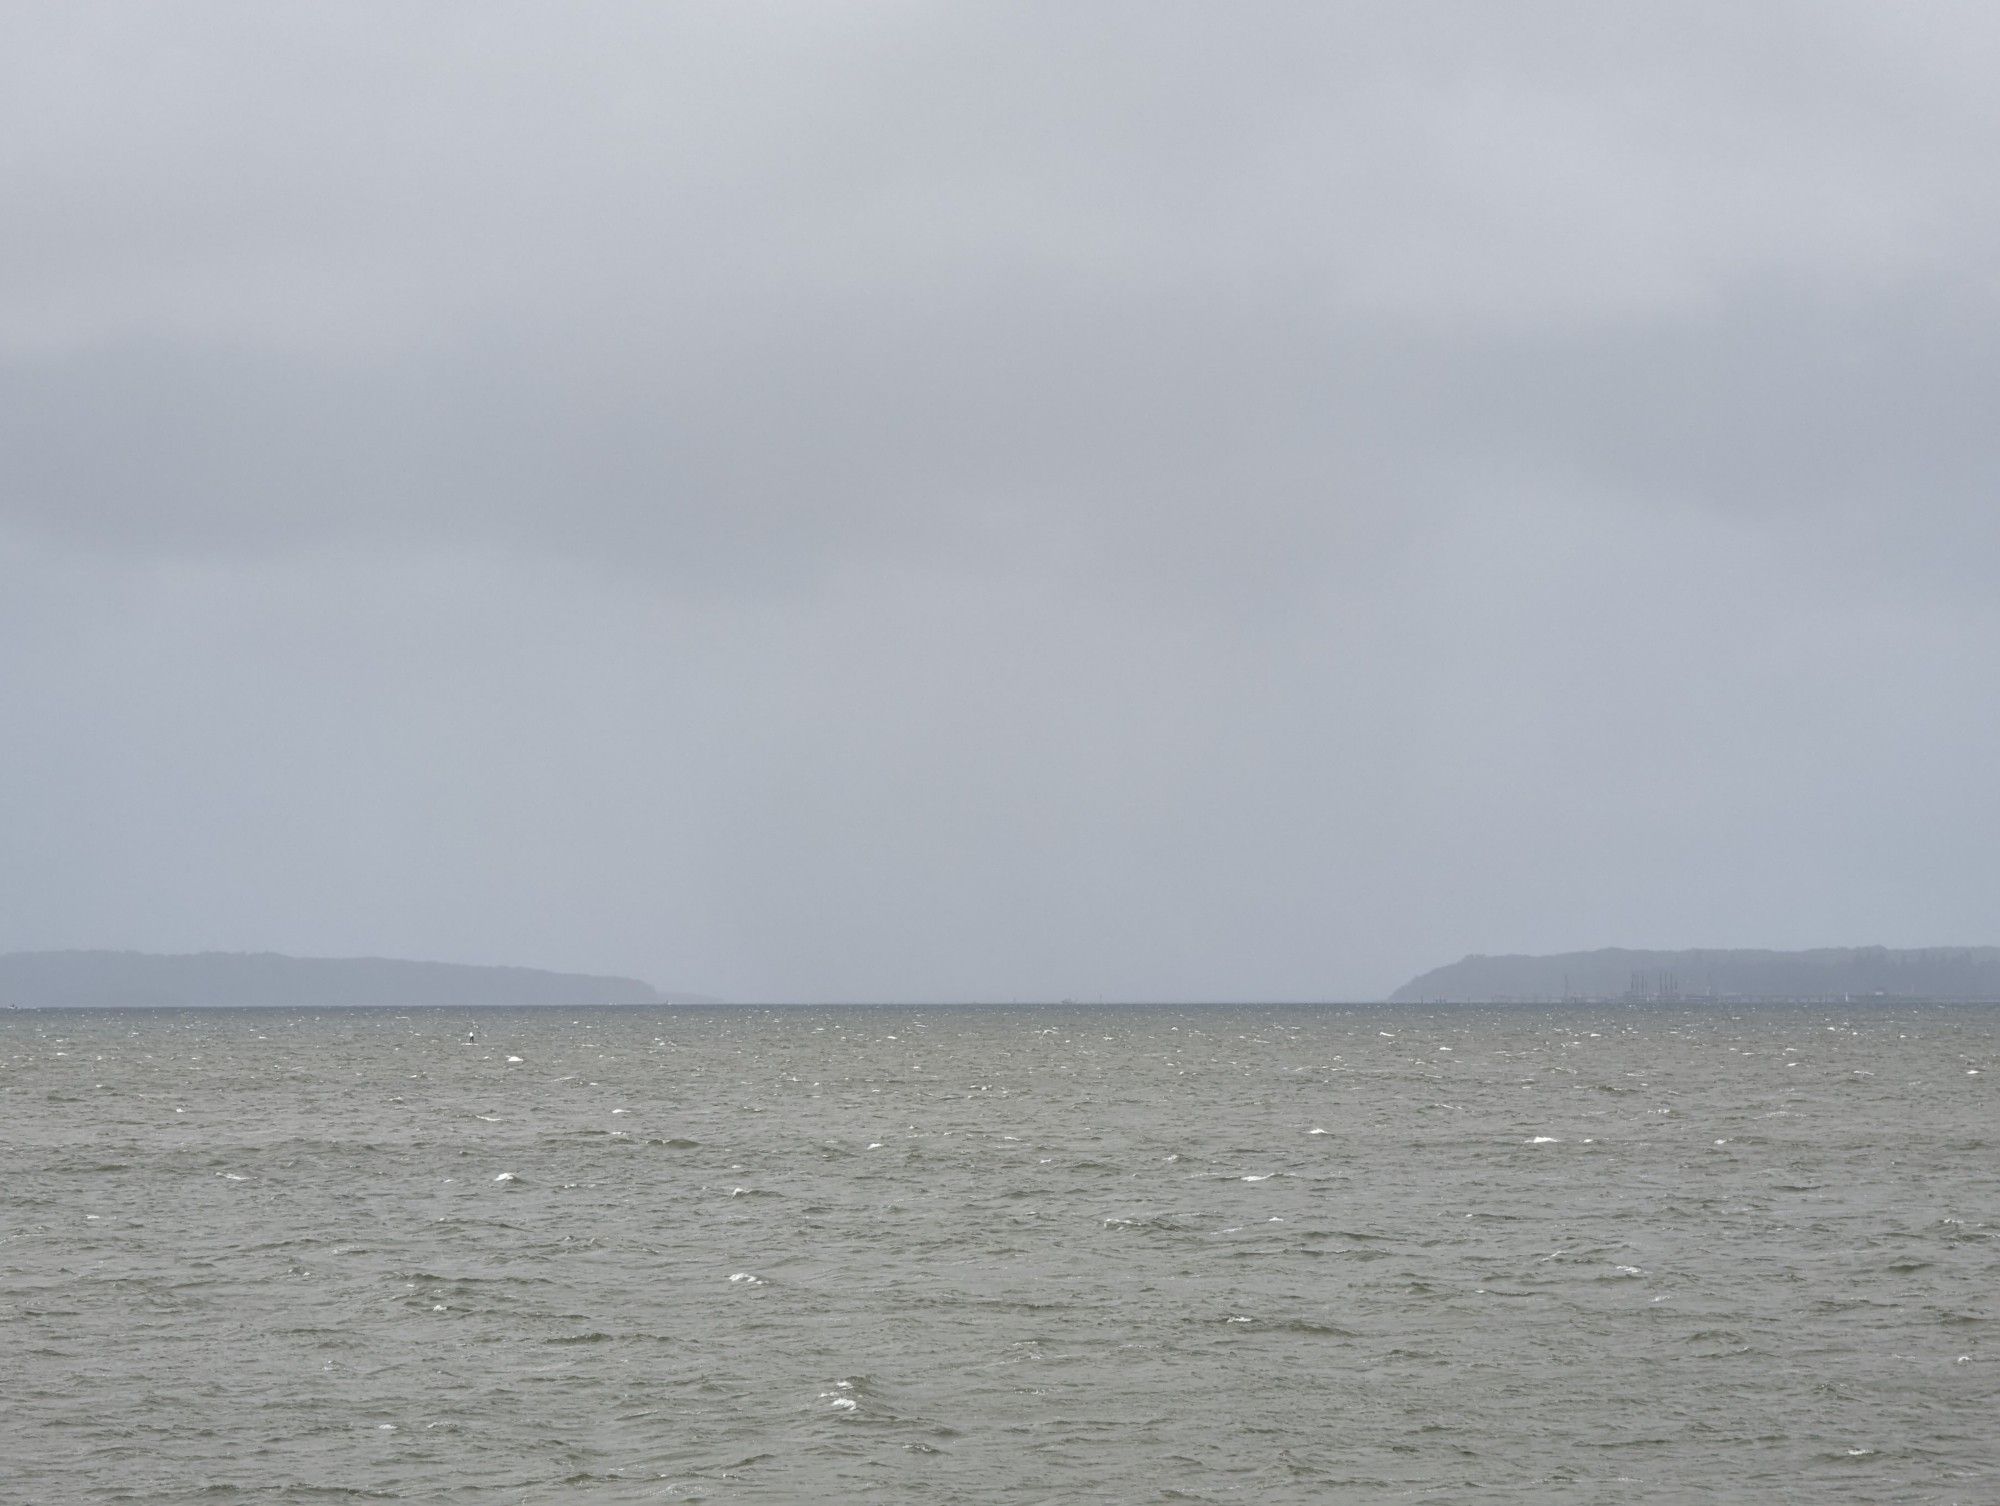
x,y
913,501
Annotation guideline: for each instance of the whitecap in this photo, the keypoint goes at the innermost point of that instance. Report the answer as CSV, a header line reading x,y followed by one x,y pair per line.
x,y
744,1278
506,1176
1315,1130
513,1060
1542,1140
1264,1178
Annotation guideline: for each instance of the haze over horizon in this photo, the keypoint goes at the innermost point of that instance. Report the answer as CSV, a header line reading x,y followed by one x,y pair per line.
x,y
935,502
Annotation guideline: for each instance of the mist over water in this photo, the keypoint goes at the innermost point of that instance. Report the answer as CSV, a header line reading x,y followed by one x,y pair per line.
x,y
1000,1255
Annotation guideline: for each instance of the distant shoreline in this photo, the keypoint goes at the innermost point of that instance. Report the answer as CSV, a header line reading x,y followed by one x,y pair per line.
x,y
238,980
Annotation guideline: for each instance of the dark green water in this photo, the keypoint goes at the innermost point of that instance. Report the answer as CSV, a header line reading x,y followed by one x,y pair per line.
x,y
996,1255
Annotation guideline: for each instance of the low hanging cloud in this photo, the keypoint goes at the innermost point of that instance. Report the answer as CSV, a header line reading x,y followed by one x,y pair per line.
x,y
934,500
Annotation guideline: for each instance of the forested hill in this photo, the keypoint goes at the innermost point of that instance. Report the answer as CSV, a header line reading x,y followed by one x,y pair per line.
x,y
1615,973
207,979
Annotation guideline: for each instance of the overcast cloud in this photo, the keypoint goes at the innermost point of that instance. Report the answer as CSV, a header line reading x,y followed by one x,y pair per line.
x,y
987,501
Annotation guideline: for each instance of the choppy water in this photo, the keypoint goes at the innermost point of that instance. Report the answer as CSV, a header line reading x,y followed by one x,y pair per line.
x,y
905,1255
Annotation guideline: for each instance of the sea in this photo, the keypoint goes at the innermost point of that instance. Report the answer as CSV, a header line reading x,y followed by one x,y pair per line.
x,y
1011,1255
